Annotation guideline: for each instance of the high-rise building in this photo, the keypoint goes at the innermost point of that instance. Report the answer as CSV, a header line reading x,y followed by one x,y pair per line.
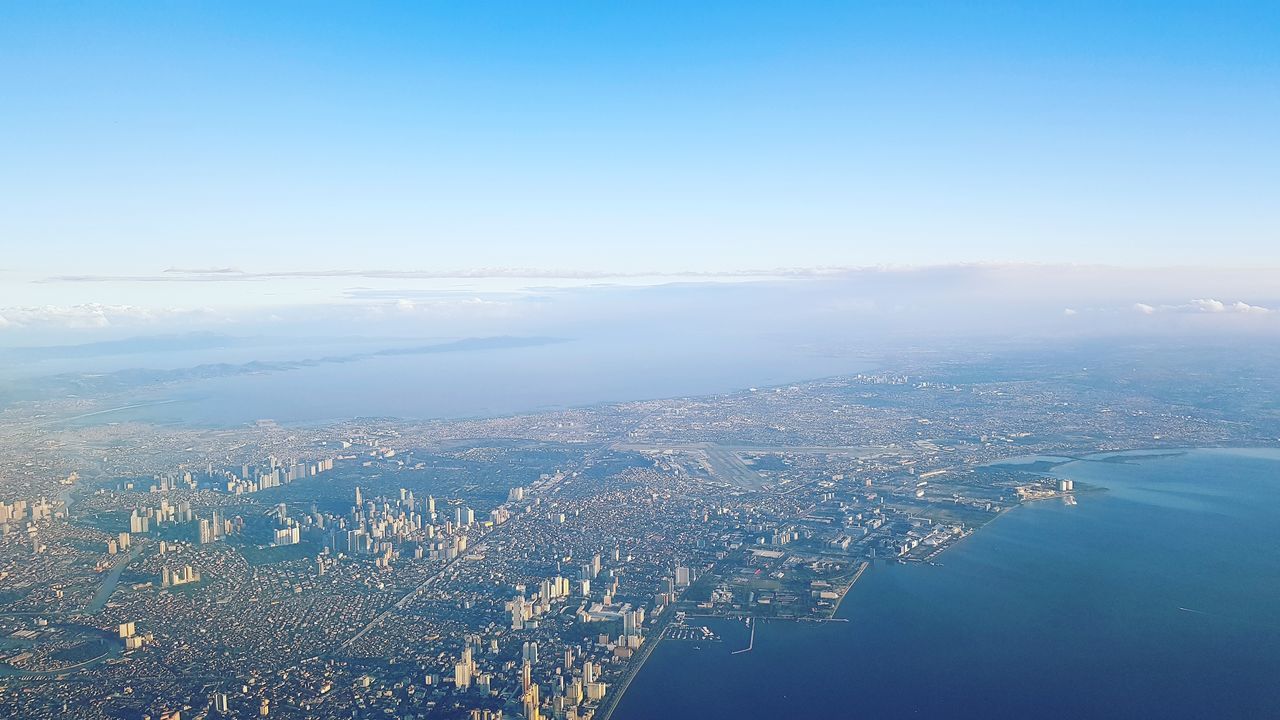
x,y
682,576
463,516
462,675
531,704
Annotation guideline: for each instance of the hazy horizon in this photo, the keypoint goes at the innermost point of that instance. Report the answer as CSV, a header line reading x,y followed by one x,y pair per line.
x,y
182,164
613,361
876,303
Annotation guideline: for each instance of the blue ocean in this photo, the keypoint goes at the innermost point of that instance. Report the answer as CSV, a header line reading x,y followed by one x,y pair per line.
x,y
1156,596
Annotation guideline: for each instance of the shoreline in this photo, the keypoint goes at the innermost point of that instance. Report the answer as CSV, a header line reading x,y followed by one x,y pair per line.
x,y
671,685
861,569
610,704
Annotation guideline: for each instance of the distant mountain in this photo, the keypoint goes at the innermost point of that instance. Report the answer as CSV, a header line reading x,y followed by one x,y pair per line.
x,y
81,383
127,346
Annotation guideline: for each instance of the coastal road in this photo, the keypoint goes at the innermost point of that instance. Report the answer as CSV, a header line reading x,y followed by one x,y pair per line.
x,y
605,711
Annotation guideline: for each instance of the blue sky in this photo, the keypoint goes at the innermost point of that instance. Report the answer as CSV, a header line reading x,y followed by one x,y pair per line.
x,y
624,137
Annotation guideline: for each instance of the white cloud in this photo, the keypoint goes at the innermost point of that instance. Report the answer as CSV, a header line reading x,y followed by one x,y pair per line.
x,y
1069,312
1243,307
486,273
1209,305
434,308
1205,305
88,315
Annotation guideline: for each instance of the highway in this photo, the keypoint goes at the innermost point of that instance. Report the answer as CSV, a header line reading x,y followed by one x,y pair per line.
x,y
615,693
404,601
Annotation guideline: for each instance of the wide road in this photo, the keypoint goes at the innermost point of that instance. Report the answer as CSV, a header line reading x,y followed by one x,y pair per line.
x,y
614,694
404,601
429,581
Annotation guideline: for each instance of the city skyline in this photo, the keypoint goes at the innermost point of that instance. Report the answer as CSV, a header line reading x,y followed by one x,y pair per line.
x,y
618,361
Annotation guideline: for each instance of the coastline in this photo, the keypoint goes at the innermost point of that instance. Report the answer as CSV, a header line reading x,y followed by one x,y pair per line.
x,y
972,613
610,704
861,569
606,710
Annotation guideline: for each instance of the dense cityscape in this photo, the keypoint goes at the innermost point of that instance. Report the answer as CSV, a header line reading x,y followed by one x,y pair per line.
x,y
639,361
512,567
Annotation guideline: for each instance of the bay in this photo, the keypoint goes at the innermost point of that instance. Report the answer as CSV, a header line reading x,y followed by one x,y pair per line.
x,y
1158,597
479,383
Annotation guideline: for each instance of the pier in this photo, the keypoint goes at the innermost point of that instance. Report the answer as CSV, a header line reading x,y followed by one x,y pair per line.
x,y
750,643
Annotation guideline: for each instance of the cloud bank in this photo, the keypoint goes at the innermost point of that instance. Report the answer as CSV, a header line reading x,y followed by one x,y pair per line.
x,y
905,304
178,275
95,315
1205,305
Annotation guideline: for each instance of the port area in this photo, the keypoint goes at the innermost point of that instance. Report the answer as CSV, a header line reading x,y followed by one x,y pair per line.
x,y
680,630
773,585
